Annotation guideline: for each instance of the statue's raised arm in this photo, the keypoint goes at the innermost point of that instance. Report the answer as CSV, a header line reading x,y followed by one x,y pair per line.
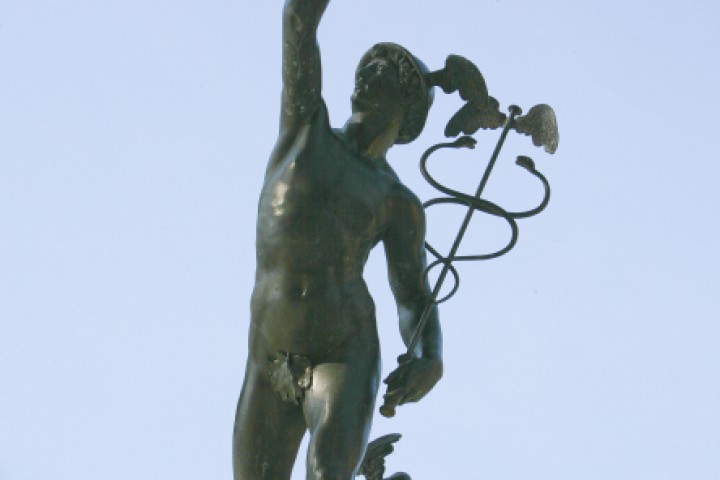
x,y
302,77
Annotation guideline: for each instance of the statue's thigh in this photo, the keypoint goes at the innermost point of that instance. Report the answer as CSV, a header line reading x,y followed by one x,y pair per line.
x,y
267,432
339,408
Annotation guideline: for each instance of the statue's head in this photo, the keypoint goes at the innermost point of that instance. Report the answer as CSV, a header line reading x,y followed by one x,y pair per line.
x,y
389,74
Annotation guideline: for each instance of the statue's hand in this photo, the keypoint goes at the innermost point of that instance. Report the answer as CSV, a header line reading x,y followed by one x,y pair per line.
x,y
410,382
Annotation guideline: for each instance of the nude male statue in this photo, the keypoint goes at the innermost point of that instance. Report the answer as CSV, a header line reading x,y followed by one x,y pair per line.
x,y
328,198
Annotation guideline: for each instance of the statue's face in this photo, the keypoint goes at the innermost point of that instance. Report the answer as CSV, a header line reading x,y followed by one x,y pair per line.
x,y
377,86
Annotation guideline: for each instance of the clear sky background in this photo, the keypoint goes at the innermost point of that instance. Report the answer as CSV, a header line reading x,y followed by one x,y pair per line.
x,y
133,140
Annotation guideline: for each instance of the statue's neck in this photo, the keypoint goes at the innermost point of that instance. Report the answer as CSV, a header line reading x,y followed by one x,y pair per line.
x,y
370,136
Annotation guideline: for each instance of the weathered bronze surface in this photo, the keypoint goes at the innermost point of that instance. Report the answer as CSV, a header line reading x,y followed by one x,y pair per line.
x,y
329,197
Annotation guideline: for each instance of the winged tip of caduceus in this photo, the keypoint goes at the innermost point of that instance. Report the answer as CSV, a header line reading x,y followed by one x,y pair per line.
x,y
470,118
540,124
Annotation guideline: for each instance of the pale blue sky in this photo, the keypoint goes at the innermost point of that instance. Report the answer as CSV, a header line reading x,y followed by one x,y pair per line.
x,y
133,140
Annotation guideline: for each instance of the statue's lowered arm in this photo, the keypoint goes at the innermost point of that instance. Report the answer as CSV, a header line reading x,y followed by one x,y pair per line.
x,y
420,370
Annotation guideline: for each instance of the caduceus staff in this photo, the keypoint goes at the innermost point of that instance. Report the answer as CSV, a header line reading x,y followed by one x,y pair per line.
x,y
480,111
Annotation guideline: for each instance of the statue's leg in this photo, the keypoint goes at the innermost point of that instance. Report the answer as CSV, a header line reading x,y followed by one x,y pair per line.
x,y
339,408
267,432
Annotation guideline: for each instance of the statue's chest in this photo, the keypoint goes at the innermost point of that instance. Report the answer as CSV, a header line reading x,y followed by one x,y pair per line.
x,y
325,192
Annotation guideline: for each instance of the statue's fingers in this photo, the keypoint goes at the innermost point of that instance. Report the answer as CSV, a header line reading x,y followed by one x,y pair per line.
x,y
391,400
412,396
396,393
397,376
404,358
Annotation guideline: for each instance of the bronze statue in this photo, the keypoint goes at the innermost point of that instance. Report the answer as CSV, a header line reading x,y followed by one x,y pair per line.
x,y
329,197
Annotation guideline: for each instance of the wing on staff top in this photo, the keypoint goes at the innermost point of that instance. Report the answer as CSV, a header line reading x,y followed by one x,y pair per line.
x,y
470,118
540,123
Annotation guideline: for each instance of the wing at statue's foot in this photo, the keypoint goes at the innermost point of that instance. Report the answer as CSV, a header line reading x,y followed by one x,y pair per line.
x,y
373,464
399,476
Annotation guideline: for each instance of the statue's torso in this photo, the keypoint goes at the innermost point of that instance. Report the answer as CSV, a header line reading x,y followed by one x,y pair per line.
x,y
322,209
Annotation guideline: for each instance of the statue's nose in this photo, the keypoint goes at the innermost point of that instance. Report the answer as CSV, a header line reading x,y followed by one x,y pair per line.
x,y
364,74
367,72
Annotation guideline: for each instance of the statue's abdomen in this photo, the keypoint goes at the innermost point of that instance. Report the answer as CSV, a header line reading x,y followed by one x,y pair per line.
x,y
309,294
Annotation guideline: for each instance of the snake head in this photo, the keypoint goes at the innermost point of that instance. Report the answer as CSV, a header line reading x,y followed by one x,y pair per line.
x,y
464,142
525,162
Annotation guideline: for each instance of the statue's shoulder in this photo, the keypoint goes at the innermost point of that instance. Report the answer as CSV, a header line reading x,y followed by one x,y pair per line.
x,y
307,129
314,118
405,204
405,220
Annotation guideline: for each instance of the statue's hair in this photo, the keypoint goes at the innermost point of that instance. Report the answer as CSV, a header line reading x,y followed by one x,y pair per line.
x,y
410,77
417,95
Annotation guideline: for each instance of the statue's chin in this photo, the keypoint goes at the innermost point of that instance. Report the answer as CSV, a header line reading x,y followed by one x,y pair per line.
x,y
358,98
362,104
